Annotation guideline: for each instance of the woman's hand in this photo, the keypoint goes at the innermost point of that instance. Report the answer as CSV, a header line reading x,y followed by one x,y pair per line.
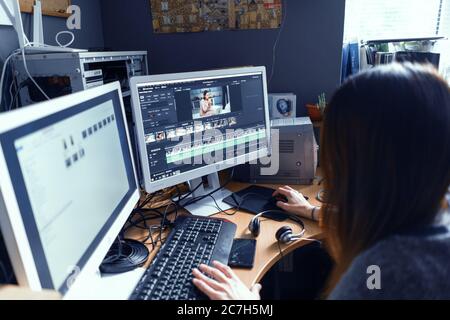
x,y
224,285
297,203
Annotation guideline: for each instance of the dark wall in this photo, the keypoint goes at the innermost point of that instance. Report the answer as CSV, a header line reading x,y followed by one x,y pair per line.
x,y
307,57
90,35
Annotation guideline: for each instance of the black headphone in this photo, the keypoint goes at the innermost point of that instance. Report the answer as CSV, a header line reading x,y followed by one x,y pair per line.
x,y
284,234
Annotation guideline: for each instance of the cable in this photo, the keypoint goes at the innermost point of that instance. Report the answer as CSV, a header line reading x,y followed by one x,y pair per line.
x,y
150,236
279,248
178,192
16,95
143,219
274,50
67,44
146,201
156,214
312,240
197,199
239,205
321,196
164,219
117,256
11,97
190,193
5,66
150,197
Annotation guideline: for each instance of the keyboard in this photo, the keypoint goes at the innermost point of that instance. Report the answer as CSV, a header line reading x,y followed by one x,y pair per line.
x,y
193,241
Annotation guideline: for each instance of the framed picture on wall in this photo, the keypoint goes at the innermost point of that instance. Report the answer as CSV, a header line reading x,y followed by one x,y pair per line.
x,y
56,8
170,16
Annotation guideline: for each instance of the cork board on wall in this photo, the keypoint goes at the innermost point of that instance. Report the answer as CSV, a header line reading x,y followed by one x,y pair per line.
x,y
55,8
170,16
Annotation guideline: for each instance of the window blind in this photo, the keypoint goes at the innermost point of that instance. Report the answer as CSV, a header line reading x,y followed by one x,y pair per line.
x,y
388,19
400,19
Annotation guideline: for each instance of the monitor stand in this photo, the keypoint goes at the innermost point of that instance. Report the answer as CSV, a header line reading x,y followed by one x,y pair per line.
x,y
206,207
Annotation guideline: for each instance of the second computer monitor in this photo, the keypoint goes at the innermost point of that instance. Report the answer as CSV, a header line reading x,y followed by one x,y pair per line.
x,y
193,124
68,186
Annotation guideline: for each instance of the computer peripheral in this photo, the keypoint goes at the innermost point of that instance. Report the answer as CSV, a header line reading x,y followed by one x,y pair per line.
x,y
279,198
293,140
284,234
124,256
59,74
192,242
180,142
242,253
60,211
256,199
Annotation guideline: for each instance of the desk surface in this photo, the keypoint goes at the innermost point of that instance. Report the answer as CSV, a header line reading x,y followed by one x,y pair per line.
x,y
267,251
17,293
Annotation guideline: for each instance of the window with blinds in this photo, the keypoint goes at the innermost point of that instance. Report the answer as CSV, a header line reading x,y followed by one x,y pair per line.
x,y
399,19
444,24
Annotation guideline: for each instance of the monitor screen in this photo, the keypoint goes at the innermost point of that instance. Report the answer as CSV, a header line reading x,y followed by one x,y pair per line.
x,y
72,174
192,123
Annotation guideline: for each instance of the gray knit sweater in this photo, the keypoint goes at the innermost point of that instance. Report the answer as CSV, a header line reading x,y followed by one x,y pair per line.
x,y
411,266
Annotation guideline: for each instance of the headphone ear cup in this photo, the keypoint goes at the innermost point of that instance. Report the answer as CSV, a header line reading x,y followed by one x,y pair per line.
x,y
255,227
284,234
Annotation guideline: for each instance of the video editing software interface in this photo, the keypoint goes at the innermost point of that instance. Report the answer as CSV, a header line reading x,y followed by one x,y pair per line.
x,y
210,118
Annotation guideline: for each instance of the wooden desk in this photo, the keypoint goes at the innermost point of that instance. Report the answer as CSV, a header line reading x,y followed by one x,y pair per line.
x,y
17,293
267,251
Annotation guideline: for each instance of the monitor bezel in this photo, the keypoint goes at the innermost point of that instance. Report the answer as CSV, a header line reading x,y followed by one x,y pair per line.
x,y
136,82
12,224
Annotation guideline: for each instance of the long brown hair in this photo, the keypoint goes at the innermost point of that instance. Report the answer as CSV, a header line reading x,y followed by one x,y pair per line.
x,y
385,153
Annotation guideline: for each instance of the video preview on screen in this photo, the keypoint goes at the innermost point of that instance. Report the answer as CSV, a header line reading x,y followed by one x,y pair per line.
x,y
209,102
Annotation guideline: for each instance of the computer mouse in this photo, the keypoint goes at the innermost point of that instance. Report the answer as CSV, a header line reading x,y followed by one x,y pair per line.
x,y
281,198
278,198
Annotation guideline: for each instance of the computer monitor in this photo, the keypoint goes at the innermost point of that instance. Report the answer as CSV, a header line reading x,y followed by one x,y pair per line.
x,y
68,185
191,125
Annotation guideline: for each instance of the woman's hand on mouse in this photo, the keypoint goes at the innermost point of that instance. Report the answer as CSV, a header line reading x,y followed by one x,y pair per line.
x,y
296,204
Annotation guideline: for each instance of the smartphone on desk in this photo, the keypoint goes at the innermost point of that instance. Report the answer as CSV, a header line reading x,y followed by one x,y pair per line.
x,y
242,253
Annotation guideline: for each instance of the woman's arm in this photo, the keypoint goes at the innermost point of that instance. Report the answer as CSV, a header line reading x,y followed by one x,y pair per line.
x,y
297,204
205,107
202,108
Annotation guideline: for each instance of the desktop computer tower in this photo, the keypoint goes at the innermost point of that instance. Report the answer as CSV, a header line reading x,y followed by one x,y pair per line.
x,y
60,74
297,152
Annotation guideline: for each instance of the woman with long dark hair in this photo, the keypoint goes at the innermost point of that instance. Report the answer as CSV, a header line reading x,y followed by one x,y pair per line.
x,y
385,156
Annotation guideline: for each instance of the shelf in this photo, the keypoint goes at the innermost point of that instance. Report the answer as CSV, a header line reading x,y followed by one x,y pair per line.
x,y
403,40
